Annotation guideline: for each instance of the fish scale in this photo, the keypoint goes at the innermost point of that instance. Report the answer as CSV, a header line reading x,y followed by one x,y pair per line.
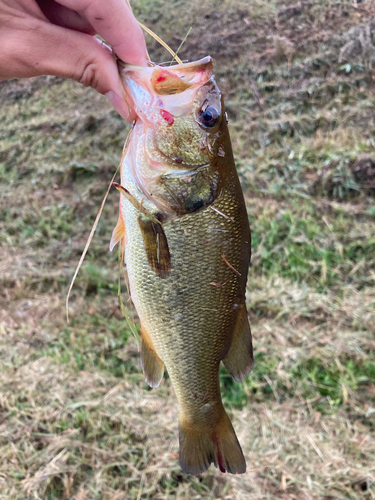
x,y
191,304
176,309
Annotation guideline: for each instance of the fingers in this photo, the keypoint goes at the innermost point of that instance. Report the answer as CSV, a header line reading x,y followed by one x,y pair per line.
x,y
48,37
121,106
40,48
114,21
67,18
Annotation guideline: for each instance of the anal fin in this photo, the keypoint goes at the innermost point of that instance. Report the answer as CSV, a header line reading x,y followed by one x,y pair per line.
x,y
239,360
152,365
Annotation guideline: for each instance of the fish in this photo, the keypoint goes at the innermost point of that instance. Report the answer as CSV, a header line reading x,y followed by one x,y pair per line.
x,y
185,232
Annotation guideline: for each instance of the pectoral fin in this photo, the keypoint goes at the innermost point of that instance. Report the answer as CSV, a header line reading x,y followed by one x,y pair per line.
x,y
239,360
156,246
152,365
154,238
118,233
136,204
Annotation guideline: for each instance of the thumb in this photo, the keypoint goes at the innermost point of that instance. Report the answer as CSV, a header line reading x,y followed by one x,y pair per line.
x,y
39,48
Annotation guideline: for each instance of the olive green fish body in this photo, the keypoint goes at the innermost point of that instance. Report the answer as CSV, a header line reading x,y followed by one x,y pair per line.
x,y
187,279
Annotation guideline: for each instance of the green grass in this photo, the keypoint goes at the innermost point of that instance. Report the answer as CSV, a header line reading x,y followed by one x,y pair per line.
x,y
93,342
298,247
77,419
328,384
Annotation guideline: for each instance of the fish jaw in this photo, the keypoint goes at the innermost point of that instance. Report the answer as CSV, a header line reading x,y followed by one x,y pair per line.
x,y
149,87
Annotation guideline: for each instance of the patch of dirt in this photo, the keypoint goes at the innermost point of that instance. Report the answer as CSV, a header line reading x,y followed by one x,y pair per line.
x,y
14,89
364,172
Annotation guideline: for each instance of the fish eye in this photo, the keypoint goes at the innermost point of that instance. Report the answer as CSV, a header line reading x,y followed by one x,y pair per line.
x,y
209,116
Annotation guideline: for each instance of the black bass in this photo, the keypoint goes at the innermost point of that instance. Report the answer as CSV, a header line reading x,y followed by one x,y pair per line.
x,y
185,230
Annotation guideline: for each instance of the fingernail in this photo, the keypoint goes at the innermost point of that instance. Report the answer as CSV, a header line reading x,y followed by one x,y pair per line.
x,y
119,104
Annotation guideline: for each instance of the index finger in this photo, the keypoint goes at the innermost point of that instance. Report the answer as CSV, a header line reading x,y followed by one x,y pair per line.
x,y
114,21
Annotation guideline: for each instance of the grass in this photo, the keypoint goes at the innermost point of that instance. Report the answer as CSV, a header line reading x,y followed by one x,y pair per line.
x,y
76,417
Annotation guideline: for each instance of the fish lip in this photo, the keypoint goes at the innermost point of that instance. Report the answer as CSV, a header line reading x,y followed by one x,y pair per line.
x,y
190,66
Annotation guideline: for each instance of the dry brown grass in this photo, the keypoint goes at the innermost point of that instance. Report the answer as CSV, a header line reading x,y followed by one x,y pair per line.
x,y
76,418
121,439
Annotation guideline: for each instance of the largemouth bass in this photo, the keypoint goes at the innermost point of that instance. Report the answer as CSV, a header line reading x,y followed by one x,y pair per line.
x,y
185,230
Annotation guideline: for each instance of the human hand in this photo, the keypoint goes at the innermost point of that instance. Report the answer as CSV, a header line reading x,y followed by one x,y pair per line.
x,y
48,37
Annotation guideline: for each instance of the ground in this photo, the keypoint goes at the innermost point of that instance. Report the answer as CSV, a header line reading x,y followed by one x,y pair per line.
x,y
76,417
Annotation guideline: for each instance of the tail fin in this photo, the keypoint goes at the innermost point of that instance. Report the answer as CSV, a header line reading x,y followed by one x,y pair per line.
x,y
200,447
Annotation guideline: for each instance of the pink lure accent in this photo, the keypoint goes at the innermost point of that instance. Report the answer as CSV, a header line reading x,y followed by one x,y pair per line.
x,y
168,117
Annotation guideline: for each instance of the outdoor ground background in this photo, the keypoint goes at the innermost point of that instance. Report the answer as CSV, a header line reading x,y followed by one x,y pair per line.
x,y
76,418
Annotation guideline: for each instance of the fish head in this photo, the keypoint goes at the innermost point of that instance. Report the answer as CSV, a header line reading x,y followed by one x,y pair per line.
x,y
181,117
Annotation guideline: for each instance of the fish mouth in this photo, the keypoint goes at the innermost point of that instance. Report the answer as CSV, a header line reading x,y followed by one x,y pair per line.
x,y
166,80
189,67
196,65
171,88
